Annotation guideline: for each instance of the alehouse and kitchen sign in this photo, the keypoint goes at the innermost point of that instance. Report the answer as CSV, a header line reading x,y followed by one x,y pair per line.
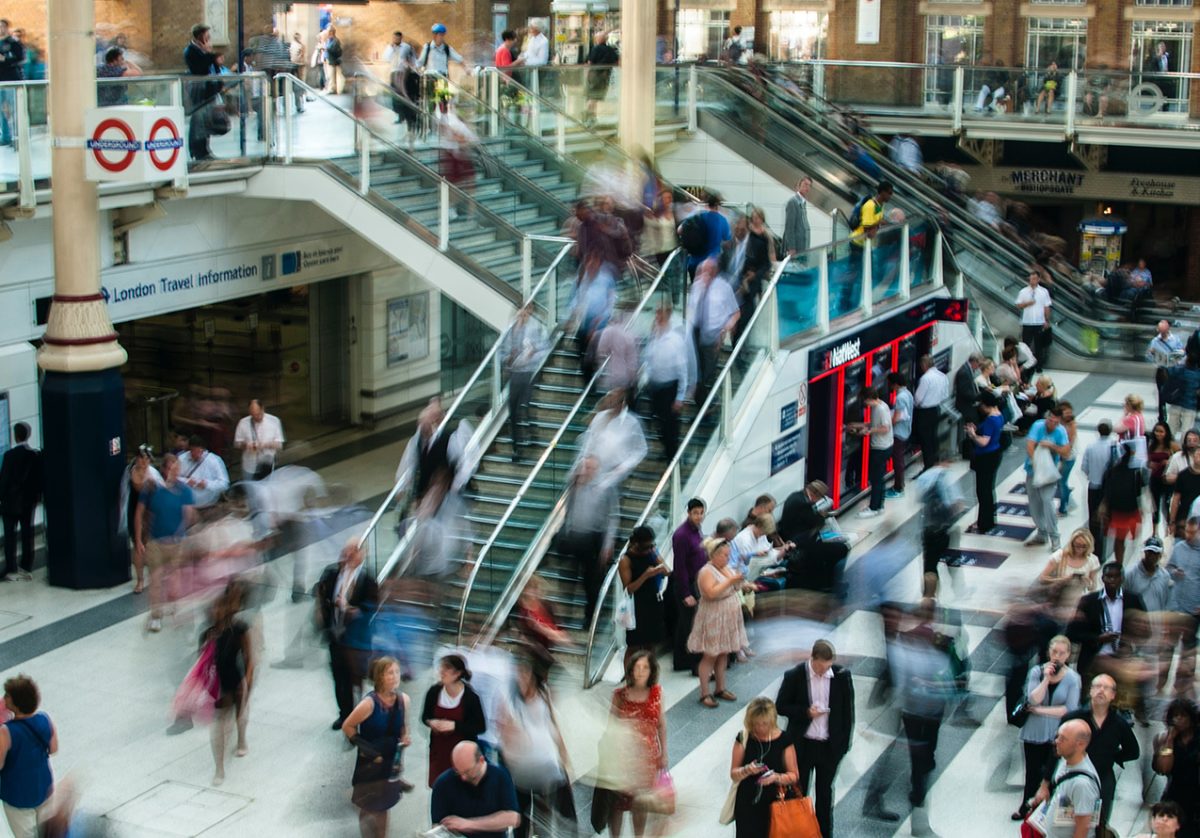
x,y
1077,183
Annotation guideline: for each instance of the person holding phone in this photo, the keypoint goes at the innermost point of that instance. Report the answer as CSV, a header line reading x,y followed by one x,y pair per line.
x,y
763,757
1051,691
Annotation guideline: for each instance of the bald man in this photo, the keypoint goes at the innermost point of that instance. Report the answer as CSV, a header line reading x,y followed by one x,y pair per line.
x,y
473,796
1069,806
1112,740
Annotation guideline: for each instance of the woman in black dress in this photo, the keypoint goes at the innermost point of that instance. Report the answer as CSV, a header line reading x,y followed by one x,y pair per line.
x,y
1177,755
234,660
763,758
640,569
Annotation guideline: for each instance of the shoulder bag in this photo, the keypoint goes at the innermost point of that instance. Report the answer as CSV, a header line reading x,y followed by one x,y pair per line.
x,y
793,817
1034,826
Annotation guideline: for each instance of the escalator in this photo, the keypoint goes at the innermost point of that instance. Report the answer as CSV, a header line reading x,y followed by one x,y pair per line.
x,y
778,139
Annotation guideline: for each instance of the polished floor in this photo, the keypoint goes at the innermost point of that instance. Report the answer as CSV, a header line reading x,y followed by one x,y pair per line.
x,y
108,686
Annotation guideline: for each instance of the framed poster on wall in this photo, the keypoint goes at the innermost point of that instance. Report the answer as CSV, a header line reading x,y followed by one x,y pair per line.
x,y
868,22
408,328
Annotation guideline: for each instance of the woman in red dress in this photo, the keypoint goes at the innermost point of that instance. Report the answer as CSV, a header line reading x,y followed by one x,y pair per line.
x,y
638,704
453,713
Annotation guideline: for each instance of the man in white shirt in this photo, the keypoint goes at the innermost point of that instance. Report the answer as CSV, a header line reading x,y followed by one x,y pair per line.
x,y
1033,301
260,438
735,255
204,472
712,313
524,349
402,60
880,442
615,439
665,366
537,48
933,389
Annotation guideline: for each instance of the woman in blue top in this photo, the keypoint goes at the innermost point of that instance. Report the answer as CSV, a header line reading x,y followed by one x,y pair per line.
x,y
985,458
379,727
26,743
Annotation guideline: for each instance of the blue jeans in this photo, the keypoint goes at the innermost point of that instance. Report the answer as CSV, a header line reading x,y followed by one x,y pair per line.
x,y
1064,486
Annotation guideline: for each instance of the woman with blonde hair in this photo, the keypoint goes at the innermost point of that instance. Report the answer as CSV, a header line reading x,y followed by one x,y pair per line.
x,y
1051,691
718,630
763,757
379,727
1075,565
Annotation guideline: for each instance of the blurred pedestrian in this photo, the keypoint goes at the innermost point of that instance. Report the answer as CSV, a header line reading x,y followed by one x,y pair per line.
x,y
165,512
1162,446
712,315
1068,458
638,703
1123,487
718,630
457,143
138,474
524,349
665,365
763,760
234,657
589,529
452,712
614,352
426,458
1097,458
1046,443
642,573
1184,568
378,726
615,438
536,757
1187,489
985,458
1149,580
347,597
27,741
902,419
600,59
592,305
205,473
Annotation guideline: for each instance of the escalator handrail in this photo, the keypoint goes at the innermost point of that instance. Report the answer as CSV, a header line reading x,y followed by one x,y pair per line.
x,y
508,596
484,365
959,214
461,196
768,298
987,254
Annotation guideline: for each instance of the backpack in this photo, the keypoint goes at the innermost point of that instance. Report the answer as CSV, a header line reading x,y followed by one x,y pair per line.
x,y
333,51
693,235
855,220
428,51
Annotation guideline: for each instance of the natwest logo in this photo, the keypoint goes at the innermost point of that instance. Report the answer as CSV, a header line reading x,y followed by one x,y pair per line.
x,y
843,353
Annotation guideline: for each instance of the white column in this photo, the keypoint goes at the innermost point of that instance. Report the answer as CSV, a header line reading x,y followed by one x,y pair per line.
x,y
638,30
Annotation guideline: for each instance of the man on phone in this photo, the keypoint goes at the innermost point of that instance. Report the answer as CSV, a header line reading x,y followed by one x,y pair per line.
x,y
1102,618
817,697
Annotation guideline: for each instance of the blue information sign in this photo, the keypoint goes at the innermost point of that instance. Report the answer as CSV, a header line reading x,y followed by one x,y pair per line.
x,y
788,415
787,451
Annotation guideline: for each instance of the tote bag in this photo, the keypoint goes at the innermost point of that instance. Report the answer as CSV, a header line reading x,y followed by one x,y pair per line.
x,y
1045,471
793,817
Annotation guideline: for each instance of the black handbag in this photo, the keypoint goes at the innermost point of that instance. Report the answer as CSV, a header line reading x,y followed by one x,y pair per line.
x,y
1019,715
217,119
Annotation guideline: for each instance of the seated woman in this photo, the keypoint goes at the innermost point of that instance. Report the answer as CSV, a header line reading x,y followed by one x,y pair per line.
x,y
1048,89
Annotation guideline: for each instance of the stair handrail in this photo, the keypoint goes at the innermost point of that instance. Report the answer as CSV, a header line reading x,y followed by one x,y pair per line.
x,y
461,195
664,482
484,365
478,564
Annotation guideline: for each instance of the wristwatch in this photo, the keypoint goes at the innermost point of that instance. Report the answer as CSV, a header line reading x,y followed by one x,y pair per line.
x,y
1166,752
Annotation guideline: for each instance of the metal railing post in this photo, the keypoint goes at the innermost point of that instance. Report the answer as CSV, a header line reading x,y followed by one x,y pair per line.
x,y
676,501
494,99
773,325
905,265
497,381
1069,104
560,132
552,302
443,215
956,101
936,268
526,267
726,409
181,180
27,196
693,121
535,117
268,116
868,304
289,112
823,291
362,140
818,81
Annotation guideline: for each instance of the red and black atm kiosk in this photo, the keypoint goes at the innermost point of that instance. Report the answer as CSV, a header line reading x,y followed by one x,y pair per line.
x,y
839,369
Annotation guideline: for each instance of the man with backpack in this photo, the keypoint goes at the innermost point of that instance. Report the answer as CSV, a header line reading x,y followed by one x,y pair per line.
x,y
333,60
436,55
865,220
1069,807
703,233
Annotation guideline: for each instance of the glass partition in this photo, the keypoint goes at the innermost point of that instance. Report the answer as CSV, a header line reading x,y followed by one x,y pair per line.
x,y
886,259
227,117
845,282
797,294
922,242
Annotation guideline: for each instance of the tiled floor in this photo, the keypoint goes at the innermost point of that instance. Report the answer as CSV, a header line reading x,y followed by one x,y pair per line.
x,y
109,692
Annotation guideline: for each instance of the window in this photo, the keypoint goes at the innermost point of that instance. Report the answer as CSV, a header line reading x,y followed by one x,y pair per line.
x,y
701,32
1161,46
1162,2
950,40
1057,2
1062,40
798,36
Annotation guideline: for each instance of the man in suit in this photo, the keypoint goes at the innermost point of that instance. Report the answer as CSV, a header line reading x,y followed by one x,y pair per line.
x,y
966,390
425,464
817,697
1104,618
346,598
20,490
795,214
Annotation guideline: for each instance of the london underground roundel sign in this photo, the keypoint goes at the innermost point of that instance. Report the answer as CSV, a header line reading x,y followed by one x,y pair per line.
x,y
114,145
163,144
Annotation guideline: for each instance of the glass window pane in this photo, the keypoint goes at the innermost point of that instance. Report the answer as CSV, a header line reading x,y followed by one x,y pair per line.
x,y
798,35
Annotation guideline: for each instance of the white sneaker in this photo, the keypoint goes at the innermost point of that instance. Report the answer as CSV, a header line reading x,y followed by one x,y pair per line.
x,y
870,513
155,625
23,576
